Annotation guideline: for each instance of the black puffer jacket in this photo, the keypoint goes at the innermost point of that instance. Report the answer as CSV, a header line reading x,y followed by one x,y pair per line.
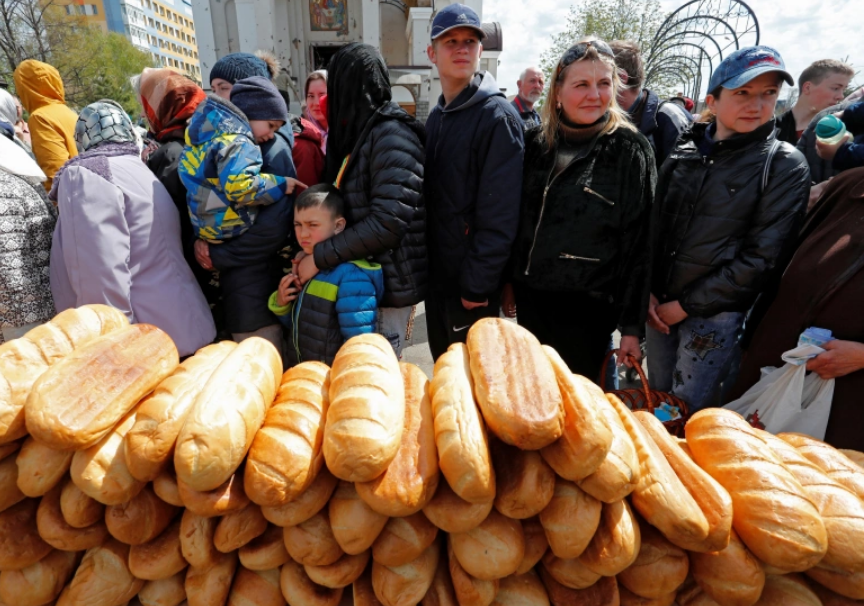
x,y
589,232
717,235
382,189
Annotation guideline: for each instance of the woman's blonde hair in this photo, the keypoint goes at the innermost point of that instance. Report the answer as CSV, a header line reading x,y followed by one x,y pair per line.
x,y
551,114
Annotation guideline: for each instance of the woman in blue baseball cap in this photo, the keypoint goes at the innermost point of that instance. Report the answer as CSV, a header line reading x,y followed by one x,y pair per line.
x,y
729,201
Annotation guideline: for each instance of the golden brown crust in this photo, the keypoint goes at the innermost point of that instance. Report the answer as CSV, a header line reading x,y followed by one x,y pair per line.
x,y
602,593
306,505
79,510
522,589
103,578
238,528
196,540
470,591
628,598
211,584
164,592
165,487
570,573
9,491
407,584
225,499
355,525
312,542
258,587
833,462
266,551
616,543
40,467
730,576
160,558
441,592
570,519
787,590
491,551
60,535
660,568
340,573
524,481
848,584
39,583
140,520
451,513
536,544
403,540
298,588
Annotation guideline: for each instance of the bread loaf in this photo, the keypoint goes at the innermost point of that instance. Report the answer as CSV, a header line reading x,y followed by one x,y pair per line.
x,y
848,584
571,573
536,544
265,551
731,576
160,558
140,520
24,360
403,540
222,422
9,491
410,481
570,519
449,512
515,384
149,445
20,542
522,590
616,543
856,457
628,598
441,592
710,496
306,505
407,584
100,471
524,481
825,595
9,448
367,409
602,593
103,578
164,592
227,498
286,453
79,400
355,525
660,568
838,466
470,591
258,587
312,542
237,528
60,535
491,551
771,514
298,588
165,487
340,573
692,595
210,585
618,474
79,510
196,540
787,590
460,434
39,583
40,467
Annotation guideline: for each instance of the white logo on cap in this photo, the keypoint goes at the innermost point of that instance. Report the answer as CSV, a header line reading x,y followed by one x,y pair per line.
x,y
462,18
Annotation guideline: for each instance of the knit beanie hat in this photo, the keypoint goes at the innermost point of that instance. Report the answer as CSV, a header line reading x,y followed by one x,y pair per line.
x,y
237,66
259,99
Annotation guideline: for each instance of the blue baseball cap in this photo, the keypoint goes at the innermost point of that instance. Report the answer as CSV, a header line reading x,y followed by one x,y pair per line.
x,y
743,65
453,16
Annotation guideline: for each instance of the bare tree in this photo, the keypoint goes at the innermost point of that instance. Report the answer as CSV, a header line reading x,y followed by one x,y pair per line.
x,y
34,29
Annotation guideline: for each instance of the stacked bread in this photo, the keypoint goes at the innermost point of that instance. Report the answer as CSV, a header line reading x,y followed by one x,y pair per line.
x,y
505,479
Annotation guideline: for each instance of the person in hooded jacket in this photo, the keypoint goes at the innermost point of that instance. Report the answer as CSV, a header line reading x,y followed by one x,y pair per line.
x,y
375,158
310,131
52,124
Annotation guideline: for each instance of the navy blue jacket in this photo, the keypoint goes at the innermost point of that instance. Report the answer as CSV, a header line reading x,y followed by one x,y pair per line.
x,y
851,153
472,187
661,123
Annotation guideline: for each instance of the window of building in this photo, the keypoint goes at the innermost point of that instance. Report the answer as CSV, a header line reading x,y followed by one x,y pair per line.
x,y
149,6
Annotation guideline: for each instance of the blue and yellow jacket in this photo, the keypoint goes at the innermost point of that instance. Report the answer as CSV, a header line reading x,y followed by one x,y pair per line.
x,y
334,306
221,169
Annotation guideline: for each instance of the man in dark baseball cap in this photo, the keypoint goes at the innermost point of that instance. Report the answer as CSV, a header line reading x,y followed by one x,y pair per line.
x,y
453,16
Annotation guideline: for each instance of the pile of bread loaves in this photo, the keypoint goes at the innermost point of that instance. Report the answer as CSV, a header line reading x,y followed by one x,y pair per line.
x,y
129,478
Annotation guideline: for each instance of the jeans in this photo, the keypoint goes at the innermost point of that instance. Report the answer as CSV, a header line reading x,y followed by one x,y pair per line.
x,y
695,357
393,325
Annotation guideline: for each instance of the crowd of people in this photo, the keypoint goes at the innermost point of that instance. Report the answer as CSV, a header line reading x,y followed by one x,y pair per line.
x,y
708,240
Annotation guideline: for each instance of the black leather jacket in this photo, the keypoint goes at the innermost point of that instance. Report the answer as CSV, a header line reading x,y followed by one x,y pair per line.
x,y
717,236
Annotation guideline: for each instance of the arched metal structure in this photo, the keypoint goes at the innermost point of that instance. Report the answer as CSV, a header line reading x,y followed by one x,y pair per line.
x,y
696,38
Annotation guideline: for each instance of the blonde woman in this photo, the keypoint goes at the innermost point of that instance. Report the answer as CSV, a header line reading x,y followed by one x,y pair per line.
x,y
581,258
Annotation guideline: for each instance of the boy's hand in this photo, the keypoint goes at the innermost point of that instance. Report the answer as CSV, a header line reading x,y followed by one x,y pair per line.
x,y
294,184
654,320
671,313
202,254
287,291
827,152
305,268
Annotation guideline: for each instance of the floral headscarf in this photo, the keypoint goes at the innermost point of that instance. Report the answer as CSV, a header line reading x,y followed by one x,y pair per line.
x,y
169,99
103,122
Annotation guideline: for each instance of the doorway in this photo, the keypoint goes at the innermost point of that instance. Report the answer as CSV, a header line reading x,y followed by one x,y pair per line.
x,y
321,55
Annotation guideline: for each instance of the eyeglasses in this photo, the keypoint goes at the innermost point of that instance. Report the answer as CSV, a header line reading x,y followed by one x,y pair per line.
x,y
576,52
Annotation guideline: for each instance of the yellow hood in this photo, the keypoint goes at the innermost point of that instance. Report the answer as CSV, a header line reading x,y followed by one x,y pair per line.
x,y
38,84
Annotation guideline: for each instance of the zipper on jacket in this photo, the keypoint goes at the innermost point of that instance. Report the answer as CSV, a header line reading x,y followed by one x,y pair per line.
x,y
564,255
601,196
295,333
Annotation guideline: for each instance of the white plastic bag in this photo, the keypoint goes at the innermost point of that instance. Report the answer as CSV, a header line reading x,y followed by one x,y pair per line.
x,y
787,398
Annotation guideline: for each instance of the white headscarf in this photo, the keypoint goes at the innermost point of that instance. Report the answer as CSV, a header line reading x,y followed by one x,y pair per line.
x,y
8,108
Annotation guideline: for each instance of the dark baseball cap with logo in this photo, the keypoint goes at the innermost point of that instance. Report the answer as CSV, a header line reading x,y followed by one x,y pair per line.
x,y
453,16
743,65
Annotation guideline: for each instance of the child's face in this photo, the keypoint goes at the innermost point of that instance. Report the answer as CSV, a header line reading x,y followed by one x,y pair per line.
x,y
456,53
314,225
743,110
827,93
264,130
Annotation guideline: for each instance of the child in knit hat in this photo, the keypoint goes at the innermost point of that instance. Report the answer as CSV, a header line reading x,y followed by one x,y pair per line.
x,y
221,162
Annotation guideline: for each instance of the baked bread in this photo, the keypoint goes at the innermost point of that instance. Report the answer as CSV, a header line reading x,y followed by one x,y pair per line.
x,y
140,520
470,591
571,573
403,540
570,519
771,514
536,544
312,542
298,589
24,360
522,590
68,413
79,510
856,457
227,498
265,551
848,584
825,595
9,491
586,437
491,551
286,453
39,583
100,471
731,576
515,384
196,540
460,433
164,592
259,587
616,543
692,595
524,481
367,409
306,505
160,558
838,466
340,573
660,568
441,592
237,528
355,525
787,590
103,578
40,467
165,487
407,584
60,535
222,422
20,542
602,593
210,585
363,593
628,598
451,513
9,448
710,496
149,445
618,474
410,481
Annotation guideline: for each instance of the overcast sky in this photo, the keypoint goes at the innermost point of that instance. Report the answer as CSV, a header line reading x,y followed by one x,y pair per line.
x,y
802,30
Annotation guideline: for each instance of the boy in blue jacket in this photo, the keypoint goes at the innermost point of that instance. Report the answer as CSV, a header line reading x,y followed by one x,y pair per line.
x,y
849,153
337,303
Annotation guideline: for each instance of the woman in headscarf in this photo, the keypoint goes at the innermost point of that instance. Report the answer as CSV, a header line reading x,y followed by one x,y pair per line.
x,y
117,240
26,223
310,131
375,157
